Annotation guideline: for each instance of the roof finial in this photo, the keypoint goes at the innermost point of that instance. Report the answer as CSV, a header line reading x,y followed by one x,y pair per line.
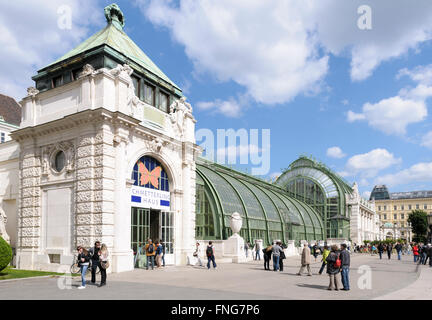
x,y
114,15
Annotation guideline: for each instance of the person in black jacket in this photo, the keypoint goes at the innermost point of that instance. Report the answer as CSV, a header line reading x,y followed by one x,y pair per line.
x,y
83,263
332,270
94,253
389,250
282,256
267,257
345,266
380,250
398,248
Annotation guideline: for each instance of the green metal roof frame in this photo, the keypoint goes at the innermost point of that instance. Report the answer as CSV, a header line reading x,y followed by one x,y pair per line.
x,y
271,193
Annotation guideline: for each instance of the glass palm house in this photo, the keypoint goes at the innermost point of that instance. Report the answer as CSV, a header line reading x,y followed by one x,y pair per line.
x,y
313,183
269,212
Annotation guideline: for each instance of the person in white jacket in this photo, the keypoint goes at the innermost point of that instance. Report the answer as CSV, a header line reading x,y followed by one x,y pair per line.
x,y
197,254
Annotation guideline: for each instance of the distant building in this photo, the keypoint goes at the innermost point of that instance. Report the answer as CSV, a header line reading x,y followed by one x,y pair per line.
x,y
395,207
10,117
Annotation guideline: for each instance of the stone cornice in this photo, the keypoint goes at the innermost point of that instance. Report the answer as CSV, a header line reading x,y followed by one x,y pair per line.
x,y
92,117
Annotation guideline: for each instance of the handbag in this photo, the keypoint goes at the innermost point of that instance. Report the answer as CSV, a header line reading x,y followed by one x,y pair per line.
x,y
104,264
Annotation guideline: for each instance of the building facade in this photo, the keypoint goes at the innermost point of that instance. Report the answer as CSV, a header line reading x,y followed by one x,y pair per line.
x,y
394,209
105,150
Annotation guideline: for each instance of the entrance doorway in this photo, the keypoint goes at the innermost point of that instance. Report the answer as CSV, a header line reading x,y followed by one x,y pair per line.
x,y
154,224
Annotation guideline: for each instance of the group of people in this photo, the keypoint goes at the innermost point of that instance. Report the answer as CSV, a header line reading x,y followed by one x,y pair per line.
x,y
95,257
336,260
422,253
154,252
210,254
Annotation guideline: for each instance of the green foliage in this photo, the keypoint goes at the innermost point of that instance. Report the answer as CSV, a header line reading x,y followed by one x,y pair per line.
x,y
418,220
5,254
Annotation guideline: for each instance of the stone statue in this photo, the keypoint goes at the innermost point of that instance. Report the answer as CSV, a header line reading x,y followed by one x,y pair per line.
x,y
178,111
3,221
236,222
114,14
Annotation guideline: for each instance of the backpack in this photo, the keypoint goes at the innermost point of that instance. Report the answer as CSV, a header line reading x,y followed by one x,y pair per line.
x,y
209,251
150,248
338,262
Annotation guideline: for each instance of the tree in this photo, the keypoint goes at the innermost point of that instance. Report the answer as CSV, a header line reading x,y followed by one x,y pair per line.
x,y
5,254
418,220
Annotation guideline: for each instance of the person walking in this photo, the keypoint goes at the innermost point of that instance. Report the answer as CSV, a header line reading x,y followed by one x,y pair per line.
x,y
423,253
282,257
159,252
324,257
103,263
380,250
163,253
83,264
398,248
276,250
345,266
246,248
333,268
150,251
305,260
257,250
94,254
210,252
389,250
197,254
315,251
427,253
267,253
415,250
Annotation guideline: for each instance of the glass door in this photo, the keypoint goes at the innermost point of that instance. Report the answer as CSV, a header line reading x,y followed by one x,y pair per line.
x,y
167,235
140,232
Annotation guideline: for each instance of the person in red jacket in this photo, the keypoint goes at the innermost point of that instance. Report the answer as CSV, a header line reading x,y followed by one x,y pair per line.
x,y
415,252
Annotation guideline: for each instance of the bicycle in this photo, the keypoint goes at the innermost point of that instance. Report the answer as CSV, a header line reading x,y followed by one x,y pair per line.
x,y
74,269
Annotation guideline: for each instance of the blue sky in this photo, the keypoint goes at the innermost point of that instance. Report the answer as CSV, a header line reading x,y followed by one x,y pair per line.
x,y
357,100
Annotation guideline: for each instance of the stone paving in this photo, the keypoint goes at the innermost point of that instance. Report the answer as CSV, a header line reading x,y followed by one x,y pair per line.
x,y
390,279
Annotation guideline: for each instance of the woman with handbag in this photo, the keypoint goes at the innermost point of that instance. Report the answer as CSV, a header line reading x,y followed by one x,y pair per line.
x,y
104,263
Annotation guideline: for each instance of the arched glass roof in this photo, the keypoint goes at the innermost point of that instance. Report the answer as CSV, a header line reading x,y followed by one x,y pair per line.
x,y
332,184
263,205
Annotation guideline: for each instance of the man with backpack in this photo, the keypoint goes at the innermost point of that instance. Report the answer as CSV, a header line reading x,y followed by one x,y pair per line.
x,y
210,255
345,265
150,251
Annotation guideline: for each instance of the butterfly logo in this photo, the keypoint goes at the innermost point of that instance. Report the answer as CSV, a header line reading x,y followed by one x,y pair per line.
x,y
147,176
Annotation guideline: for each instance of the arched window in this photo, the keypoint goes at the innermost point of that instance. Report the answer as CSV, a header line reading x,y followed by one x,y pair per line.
x,y
149,173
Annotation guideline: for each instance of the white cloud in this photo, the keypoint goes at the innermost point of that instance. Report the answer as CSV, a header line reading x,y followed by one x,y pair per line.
x,y
264,46
230,108
420,172
31,38
391,115
427,140
278,49
335,152
370,163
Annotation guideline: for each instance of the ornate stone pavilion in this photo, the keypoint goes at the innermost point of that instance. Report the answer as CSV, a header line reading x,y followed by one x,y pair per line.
x,y
99,117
